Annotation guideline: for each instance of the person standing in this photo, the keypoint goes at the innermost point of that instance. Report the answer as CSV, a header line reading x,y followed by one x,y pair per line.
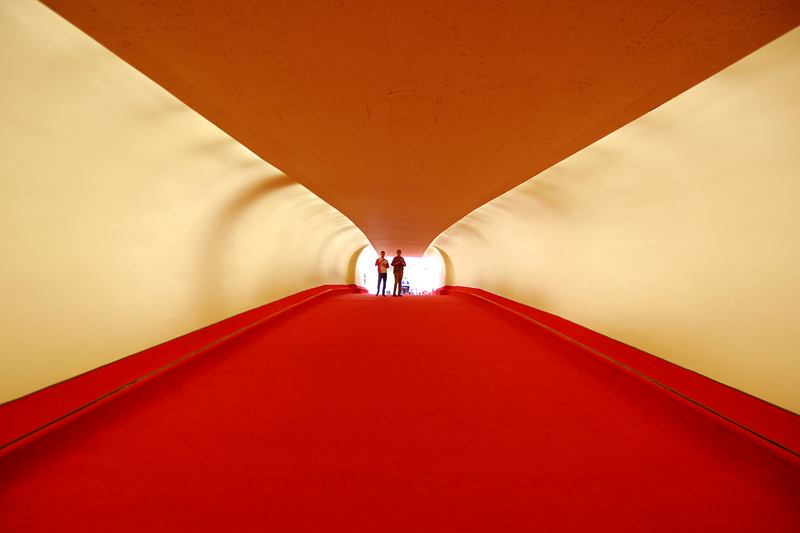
x,y
399,264
383,267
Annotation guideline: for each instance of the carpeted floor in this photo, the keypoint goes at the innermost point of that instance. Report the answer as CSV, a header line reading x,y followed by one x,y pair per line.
x,y
363,413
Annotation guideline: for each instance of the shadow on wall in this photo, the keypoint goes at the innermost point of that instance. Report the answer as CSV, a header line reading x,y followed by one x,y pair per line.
x,y
352,266
213,258
449,270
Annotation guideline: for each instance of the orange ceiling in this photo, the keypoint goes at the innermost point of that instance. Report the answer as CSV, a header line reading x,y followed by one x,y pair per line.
x,y
408,115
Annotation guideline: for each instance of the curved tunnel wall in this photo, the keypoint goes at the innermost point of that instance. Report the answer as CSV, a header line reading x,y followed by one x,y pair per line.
x,y
677,234
127,219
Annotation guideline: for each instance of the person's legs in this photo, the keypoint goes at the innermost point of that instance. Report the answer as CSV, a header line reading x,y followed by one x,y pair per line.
x,y
381,277
398,289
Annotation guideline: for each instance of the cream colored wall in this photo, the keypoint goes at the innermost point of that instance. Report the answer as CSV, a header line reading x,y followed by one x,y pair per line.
x,y
678,234
125,218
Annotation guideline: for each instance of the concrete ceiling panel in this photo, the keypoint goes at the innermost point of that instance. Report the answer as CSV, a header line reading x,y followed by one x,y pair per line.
x,y
406,116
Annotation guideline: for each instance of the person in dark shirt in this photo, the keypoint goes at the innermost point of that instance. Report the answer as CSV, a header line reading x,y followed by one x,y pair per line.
x,y
399,264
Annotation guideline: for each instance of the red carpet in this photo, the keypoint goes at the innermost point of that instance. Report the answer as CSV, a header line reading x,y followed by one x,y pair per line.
x,y
765,422
360,413
25,415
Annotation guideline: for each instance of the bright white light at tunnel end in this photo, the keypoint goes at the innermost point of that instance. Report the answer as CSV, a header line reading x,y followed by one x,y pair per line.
x,y
423,274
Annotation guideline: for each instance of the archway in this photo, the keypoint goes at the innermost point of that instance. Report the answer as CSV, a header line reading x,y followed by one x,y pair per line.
x,y
422,275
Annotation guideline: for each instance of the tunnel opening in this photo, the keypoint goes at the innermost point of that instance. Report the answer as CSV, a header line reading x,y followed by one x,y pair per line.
x,y
421,276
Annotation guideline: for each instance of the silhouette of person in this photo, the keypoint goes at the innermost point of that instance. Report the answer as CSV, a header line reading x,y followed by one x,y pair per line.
x,y
383,267
399,264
